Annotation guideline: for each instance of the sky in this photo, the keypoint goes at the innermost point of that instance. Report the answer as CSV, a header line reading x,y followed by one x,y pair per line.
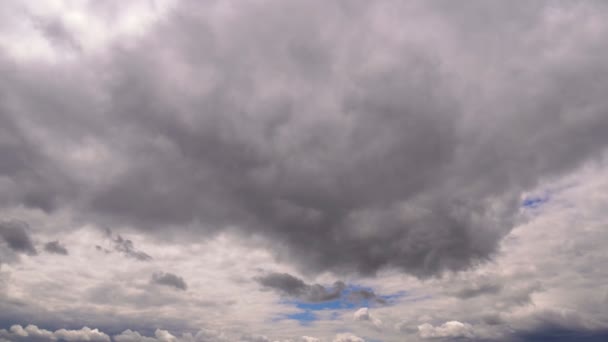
x,y
303,171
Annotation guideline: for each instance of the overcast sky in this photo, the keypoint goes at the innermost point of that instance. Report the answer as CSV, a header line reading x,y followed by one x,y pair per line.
x,y
303,171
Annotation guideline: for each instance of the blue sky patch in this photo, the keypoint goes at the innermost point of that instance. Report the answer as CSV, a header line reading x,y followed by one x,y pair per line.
x,y
345,302
304,317
534,202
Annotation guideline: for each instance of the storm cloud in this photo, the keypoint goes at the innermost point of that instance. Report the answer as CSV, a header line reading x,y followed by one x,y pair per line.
x,y
428,170
347,146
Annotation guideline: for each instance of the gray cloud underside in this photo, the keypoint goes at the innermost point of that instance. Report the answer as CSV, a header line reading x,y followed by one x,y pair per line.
x,y
126,247
366,295
15,235
169,279
347,144
55,247
289,285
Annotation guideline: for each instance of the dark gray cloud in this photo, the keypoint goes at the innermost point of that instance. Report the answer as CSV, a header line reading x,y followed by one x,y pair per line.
x,y
16,236
55,247
366,295
126,247
288,285
348,146
169,279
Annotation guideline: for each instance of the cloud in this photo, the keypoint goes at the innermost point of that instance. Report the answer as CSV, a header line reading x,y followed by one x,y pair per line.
x,y
309,339
480,288
366,295
381,159
363,314
32,332
132,336
203,335
126,247
84,334
347,337
169,279
15,234
452,329
255,338
400,145
289,285
37,333
164,336
55,247
209,335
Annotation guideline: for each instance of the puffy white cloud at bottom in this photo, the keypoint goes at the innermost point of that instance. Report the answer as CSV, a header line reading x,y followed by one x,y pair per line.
x,y
447,329
32,332
348,337
18,333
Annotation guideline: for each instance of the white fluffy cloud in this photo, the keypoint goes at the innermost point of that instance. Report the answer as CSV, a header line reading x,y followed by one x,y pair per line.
x,y
363,314
447,329
310,339
133,336
33,332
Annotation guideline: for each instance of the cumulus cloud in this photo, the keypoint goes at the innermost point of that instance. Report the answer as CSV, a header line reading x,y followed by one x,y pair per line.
x,y
374,153
169,279
309,339
452,329
289,285
84,334
38,333
203,335
210,335
164,336
32,332
255,338
363,314
346,139
132,336
55,247
347,337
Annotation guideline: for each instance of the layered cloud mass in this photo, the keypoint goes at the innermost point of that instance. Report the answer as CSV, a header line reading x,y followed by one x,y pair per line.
x,y
303,170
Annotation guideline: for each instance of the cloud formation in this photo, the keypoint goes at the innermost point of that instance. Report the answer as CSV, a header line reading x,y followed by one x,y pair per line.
x,y
366,295
435,150
33,333
291,286
15,235
126,247
169,279
347,337
451,329
55,247
361,141
363,314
